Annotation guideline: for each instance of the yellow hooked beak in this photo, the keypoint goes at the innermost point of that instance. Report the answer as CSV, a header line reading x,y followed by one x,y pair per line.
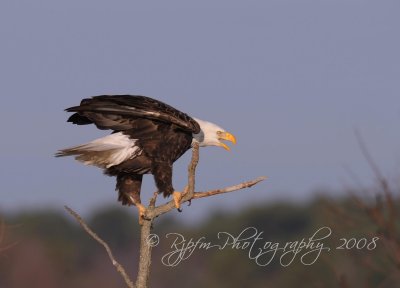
x,y
228,137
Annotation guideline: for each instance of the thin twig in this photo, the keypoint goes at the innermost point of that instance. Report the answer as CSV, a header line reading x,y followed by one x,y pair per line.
x,y
162,209
153,199
117,265
390,224
243,185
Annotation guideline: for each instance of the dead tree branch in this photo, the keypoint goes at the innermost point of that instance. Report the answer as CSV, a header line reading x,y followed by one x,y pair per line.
x,y
153,212
240,186
117,265
375,213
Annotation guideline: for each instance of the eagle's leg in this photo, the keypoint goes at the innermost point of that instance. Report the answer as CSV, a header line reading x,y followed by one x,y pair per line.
x,y
128,187
162,172
141,208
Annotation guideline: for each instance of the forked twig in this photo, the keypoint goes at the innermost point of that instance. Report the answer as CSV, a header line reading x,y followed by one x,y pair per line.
x,y
155,211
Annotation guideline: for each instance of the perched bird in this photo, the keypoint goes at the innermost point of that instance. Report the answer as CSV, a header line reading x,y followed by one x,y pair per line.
x,y
148,137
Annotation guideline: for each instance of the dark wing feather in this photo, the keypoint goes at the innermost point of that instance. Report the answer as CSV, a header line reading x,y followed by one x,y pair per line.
x,y
79,120
119,112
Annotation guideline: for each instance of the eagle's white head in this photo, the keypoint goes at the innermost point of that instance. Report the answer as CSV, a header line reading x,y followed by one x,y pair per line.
x,y
212,135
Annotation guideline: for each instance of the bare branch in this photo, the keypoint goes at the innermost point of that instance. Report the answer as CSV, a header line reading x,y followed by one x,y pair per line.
x,y
190,194
153,212
240,186
153,199
117,265
162,209
144,254
192,170
390,224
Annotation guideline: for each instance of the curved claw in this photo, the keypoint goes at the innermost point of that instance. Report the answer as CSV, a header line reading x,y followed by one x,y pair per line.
x,y
178,198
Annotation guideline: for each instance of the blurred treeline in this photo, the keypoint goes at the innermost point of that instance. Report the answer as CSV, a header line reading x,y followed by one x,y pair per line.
x,y
50,250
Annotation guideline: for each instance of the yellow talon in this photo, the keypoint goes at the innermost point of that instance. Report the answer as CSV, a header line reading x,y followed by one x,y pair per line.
x,y
142,212
177,199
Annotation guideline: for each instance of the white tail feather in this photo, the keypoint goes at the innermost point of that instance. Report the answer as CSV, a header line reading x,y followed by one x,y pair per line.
x,y
105,152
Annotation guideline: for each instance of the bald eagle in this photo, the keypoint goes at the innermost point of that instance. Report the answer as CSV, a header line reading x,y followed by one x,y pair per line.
x,y
148,137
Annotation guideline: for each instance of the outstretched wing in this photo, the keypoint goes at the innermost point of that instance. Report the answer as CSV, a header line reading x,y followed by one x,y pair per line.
x,y
120,112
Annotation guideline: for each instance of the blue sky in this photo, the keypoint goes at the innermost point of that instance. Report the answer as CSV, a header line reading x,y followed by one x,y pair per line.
x,y
291,79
